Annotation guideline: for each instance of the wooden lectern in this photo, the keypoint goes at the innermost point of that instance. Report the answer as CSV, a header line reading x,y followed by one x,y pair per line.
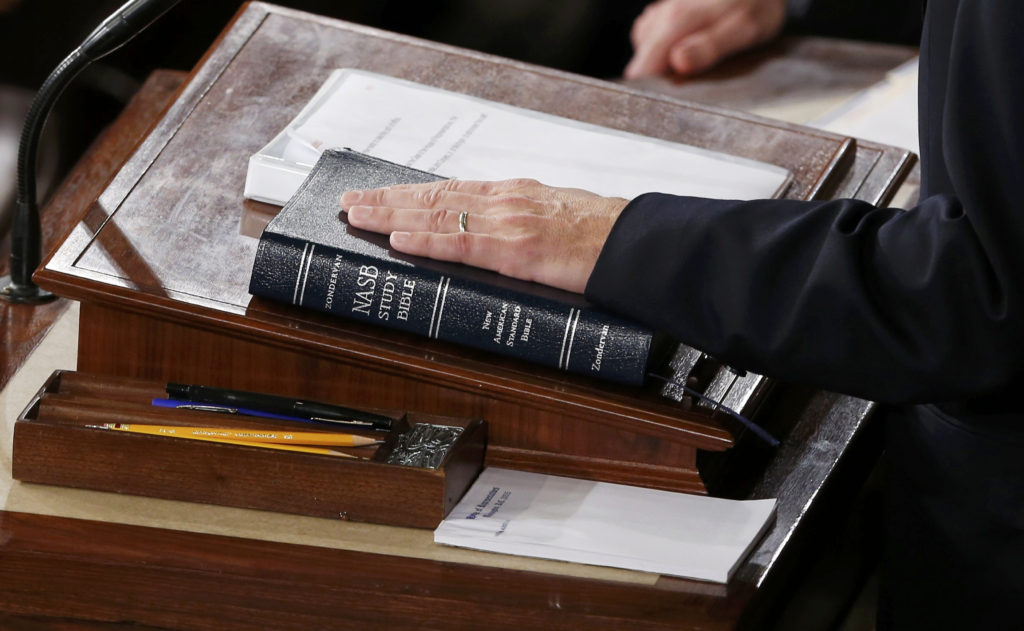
x,y
160,263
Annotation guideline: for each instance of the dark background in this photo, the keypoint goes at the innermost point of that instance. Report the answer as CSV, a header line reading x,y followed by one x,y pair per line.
x,y
584,36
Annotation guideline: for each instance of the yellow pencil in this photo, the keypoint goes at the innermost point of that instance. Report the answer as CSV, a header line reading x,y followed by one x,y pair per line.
x,y
272,439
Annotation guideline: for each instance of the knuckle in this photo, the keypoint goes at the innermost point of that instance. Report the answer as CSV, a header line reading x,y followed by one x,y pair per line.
x,y
436,219
462,245
520,183
485,187
488,187
430,197
449,185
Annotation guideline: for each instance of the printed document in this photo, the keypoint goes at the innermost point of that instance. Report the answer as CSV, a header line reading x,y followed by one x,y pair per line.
x,y
598,523
884,113
460,136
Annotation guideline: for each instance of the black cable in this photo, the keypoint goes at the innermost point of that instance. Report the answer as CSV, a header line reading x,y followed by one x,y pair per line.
x,y
25,231
759,431
114,32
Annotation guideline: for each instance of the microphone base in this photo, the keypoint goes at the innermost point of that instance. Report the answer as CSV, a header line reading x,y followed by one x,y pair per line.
x,y
23,294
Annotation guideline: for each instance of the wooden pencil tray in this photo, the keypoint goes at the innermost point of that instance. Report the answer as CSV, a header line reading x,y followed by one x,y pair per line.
x,y
52,445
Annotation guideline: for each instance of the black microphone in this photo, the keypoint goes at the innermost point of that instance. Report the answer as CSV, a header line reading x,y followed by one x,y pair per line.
x,y
132,18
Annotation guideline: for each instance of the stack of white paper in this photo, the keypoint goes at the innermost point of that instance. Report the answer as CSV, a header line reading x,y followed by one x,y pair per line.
x,y
598,523
886,112
456,135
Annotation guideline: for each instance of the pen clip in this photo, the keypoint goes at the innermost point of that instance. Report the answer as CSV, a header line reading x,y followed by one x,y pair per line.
x,y
206,408
339,421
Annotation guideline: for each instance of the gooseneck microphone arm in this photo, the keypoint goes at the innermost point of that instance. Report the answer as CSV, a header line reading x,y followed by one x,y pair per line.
x,y
25,229
114,32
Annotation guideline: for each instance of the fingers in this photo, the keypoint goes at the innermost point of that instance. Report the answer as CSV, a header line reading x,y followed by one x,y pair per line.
x,y
699,51
662,25
423,197
484,187
442,220
519,228
478,197
688,36
477,250
653,42
436,206
644,23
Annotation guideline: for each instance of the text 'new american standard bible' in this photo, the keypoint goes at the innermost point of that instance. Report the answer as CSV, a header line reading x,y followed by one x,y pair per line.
x,y
406,132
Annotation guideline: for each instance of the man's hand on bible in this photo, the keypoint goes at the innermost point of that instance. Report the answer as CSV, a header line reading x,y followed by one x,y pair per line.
x,y
519,228
688,36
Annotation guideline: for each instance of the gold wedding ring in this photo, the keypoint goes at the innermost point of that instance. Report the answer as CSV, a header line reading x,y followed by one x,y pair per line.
x,y
464,221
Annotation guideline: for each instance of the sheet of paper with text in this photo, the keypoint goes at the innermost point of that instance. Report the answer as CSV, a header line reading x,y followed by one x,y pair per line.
x,y
456,135
598,523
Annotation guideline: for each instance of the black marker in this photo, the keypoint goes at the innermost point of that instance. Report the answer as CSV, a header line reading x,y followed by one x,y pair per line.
x,y
311,410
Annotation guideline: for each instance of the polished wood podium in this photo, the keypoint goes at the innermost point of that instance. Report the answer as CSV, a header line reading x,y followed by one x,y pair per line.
x,y
161,261
158,302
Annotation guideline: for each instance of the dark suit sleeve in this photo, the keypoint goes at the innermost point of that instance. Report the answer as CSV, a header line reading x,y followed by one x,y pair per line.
x,y
917,306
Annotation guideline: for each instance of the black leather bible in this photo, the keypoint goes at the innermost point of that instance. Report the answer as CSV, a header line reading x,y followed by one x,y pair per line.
x,y
309,256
